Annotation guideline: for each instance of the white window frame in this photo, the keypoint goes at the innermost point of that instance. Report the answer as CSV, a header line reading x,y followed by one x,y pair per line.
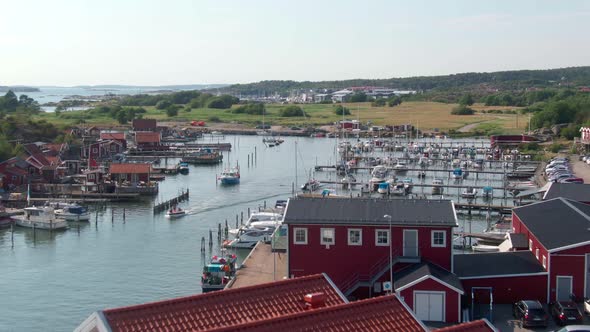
x,y
322,242
537,253
295,229
434,245
544,262
530,245
360,242
377,237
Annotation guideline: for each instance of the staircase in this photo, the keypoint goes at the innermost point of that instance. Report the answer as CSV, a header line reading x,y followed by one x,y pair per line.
x,y
381,267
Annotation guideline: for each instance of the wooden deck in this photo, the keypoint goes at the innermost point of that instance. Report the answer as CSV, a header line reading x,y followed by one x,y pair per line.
x,y
261,266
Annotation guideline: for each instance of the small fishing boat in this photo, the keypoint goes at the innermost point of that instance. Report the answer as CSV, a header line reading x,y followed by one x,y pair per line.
x,y
437,186
218,273
40,218
183,168
230,176
175,212
469,192
311,185
73,212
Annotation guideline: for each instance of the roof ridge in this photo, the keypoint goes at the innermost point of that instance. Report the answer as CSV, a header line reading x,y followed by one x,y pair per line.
x,y
214,294
569,202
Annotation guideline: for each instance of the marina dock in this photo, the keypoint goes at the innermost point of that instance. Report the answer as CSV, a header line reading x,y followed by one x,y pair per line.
x,y
260,266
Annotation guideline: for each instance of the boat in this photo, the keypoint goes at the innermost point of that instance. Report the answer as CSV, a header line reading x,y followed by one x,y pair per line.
x,y
218,273
484,248
469,192
437,186
183,168
5,219
400,167
383,188
311,185
457,173
40,218
488,191
248,236
175,212
348,180
204,156
230,176
73,212
399,189
408,183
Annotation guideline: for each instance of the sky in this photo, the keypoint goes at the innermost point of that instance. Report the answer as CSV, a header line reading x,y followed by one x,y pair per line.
x,y
157,42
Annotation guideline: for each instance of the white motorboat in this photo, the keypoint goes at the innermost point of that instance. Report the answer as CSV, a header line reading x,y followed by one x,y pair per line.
x,y
175,212
399,189
437,186
247,237
40,218
311,185
400,167
484,248
383,188
469,192
73,212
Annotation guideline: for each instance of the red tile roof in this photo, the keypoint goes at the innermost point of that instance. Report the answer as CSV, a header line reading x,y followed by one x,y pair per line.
x,y
147,137
225,308
130,168
117,136
385,313
481,325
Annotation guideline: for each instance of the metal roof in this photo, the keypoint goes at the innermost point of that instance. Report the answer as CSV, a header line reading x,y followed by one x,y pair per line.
x,y
370,211
576,191
417,271
496,264
558,222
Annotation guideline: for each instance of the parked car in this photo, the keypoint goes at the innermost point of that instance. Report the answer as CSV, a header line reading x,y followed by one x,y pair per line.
x,y
295,128
571,180
566,313
530,313
575,328
587,306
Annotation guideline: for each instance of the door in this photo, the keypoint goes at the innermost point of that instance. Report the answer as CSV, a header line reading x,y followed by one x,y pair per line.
x,y
564,288
587,276
429,306
410,243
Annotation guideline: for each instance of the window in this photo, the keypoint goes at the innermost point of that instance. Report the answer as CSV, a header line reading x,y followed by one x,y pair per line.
x,y
537,253
327,236
544,261
531,245
355,237
439,239
381,237
300,235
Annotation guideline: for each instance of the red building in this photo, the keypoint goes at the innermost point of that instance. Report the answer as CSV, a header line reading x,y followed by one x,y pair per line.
x,y
114,136
558,233
147,139
144,125
349,239
103,150
132,173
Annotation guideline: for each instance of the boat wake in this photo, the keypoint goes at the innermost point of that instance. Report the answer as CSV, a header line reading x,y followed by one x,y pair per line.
x,y
195,210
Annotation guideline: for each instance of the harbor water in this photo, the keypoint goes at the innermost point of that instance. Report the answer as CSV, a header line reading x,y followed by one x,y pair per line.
x,y
127,255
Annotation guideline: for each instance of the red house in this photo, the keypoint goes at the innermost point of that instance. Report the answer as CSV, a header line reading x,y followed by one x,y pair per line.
x,y
357,241
144,125
103,150
147,139
114,136
133,173
558,233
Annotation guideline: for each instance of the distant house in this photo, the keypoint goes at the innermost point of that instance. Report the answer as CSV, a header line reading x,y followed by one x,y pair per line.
x,y
16,172
114,136
93,131
310,303
349,124
132,173
103,150
144,125
147,139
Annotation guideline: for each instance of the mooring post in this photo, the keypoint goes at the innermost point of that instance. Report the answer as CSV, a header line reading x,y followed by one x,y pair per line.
x,y
12,235
124,215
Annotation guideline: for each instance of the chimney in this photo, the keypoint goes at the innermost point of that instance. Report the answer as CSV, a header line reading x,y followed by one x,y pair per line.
x,y
315,300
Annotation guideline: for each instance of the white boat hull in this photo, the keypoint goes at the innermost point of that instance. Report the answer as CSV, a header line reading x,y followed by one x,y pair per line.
x,y
73,217
175,215
55,225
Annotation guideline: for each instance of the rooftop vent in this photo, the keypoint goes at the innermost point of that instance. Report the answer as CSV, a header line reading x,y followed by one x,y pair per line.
x,y
315,300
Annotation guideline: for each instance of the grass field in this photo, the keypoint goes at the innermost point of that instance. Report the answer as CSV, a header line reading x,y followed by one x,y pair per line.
x,y
425,115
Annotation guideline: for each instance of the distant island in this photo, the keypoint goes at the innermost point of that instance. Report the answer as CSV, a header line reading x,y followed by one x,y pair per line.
x,y
18,88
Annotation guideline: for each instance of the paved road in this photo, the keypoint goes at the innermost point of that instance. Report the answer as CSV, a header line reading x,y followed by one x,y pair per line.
x,y
580,168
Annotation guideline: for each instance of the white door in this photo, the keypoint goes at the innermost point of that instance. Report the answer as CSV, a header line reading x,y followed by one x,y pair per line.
x,y
429,306
564,288
410,243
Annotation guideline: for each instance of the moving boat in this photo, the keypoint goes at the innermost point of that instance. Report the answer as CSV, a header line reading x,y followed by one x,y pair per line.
x,y
230,176
73,212
183,168
218,273
40,218
469,192
175,212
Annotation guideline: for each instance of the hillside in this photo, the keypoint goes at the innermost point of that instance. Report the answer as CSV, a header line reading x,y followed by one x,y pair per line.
x,y
502,80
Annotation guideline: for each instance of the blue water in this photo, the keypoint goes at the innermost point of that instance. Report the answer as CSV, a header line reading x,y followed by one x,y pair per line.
x,y
52,282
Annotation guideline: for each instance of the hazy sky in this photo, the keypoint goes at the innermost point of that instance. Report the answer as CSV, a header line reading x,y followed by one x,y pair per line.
x,y
157,42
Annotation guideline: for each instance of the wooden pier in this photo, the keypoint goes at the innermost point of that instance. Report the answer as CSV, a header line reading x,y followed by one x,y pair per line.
x,y
184,195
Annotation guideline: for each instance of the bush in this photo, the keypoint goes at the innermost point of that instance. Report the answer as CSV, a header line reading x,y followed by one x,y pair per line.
x,y
163,104
555,147
250,108
394,101
379,102
529,147
172,110
462,110
466,100
341,110
328,101
291,111
214,118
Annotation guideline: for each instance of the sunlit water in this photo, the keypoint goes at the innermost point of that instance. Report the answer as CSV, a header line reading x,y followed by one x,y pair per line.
x,y
53,281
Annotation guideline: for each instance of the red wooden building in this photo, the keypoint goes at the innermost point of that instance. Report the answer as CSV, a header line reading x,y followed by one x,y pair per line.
x,y
357,241
147,139
144,125
114,136
132,173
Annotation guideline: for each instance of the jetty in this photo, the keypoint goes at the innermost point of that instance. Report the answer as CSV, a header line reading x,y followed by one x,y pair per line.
x,y
262,265
183,196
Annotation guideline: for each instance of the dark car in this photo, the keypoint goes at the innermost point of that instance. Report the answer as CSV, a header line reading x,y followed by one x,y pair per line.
x,y
295,128
530,313
566,313
263,127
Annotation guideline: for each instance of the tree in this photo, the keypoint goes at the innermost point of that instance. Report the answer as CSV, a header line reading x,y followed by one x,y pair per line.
x,y
394,101
172,110
341,110
379,102
462,110
121,117
467,100
163,104
358,97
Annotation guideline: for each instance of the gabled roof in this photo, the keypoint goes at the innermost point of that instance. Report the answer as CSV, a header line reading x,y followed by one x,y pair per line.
x,y
227,308
496,264
130,168
112,135
574,191
557,223
480,325
371,211
518,240
384,313
419,272
147,137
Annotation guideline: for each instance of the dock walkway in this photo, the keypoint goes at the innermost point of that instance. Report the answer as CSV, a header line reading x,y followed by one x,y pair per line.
x,y
261,267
